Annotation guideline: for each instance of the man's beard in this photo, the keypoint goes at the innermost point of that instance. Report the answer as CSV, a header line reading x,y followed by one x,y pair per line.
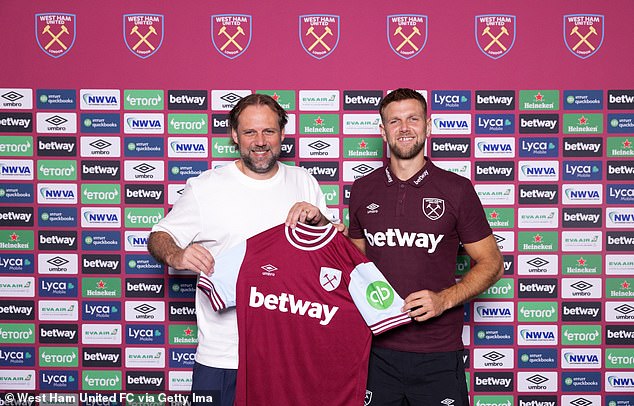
x,y
260,166
413,151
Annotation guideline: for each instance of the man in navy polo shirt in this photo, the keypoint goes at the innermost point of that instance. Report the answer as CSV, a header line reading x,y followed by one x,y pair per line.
x,y
409,218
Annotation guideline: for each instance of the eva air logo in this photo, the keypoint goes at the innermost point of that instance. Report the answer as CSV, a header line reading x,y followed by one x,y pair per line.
x,y
379,295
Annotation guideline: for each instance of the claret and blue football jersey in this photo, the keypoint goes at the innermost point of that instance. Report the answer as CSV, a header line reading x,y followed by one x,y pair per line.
x,y
305,297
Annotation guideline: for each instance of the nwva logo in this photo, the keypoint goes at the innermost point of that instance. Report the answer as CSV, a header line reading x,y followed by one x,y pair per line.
x,y
581,359
451,124
15,170
56,193
537,335
538,171
180,147
96,100
618,382
486,147
143,123
582,194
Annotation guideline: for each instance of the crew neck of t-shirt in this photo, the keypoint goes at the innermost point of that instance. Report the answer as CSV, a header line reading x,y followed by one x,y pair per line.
x,y
258,183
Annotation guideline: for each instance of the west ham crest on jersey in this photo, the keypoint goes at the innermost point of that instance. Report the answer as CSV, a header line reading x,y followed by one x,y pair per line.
x,y
55,33
433,208
583,34
231,34
319,34
368,398
495,34
329,278
407,34
143,33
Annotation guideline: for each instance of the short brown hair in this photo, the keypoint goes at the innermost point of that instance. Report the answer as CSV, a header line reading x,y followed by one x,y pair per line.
x,y
257,99
399,94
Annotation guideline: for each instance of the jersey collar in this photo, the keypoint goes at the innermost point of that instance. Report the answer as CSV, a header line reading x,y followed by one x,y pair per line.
x,y
309,238
417,180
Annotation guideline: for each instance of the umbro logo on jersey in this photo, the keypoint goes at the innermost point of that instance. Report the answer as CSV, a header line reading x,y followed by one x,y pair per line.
x,y
433,208
269,270
372,208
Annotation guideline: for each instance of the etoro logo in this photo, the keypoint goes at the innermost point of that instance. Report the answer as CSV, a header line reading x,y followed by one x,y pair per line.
x,y
379,295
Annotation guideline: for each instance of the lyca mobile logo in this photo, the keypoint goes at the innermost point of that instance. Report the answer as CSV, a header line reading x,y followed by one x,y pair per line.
x,y
582,170
451,100
495,123
538,147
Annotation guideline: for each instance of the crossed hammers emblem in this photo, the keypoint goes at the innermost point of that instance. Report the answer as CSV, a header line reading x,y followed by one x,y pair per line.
x,y
319,39
55,38
143,38
495,38
584,38
231,39
407,39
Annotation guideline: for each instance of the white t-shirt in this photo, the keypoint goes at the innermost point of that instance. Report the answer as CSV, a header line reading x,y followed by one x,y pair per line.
x,y
220,208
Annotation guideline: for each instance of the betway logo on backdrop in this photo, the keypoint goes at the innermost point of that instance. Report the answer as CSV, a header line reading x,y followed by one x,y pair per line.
x,y
583,147
539,124
187,100
99,99
446,147
495,170
538,194
581,311
322,171
16,99
57,146
451,123
16,122
620,170
620,99
578,217
362,99
495,100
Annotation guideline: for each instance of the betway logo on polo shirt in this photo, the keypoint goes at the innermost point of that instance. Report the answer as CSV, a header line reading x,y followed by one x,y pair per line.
x,y
143,123
99,99
286,302
394,237
451,123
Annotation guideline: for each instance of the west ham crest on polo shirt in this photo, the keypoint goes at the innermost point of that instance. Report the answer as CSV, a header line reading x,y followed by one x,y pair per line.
x,y
433,208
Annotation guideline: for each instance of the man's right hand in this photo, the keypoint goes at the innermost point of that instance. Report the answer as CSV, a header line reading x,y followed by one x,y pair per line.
x,y
195,258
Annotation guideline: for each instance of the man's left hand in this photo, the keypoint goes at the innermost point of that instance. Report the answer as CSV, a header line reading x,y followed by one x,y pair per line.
x,y
306,213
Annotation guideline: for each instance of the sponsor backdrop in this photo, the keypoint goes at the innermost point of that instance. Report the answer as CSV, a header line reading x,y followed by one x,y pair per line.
x,y
107,108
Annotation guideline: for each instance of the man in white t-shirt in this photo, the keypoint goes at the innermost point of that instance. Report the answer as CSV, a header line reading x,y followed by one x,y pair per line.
x,y
224,206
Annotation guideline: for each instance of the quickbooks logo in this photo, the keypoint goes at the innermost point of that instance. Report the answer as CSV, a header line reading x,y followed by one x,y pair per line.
x,y
56,170
143,100
537,311
17,333
379,295
101,380
59,356
580,335
319,124
362,148
143,217
16,146
187,124
102,193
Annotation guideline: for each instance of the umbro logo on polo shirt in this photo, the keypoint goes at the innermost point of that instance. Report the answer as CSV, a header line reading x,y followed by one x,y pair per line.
x,y
372,208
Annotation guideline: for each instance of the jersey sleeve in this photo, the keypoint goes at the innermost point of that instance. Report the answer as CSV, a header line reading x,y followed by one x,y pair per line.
x,y
220,287
376,299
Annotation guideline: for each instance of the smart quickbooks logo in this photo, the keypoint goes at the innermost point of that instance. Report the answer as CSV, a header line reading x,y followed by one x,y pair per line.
x,y
56,99
143,147
16,193
583,100
362,99
108,123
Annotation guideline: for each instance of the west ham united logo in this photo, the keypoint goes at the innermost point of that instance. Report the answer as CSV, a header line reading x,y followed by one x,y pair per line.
x,y
143,33
407,34
329,278
55,33
231,34
495,34
433,208
319,34
583,34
